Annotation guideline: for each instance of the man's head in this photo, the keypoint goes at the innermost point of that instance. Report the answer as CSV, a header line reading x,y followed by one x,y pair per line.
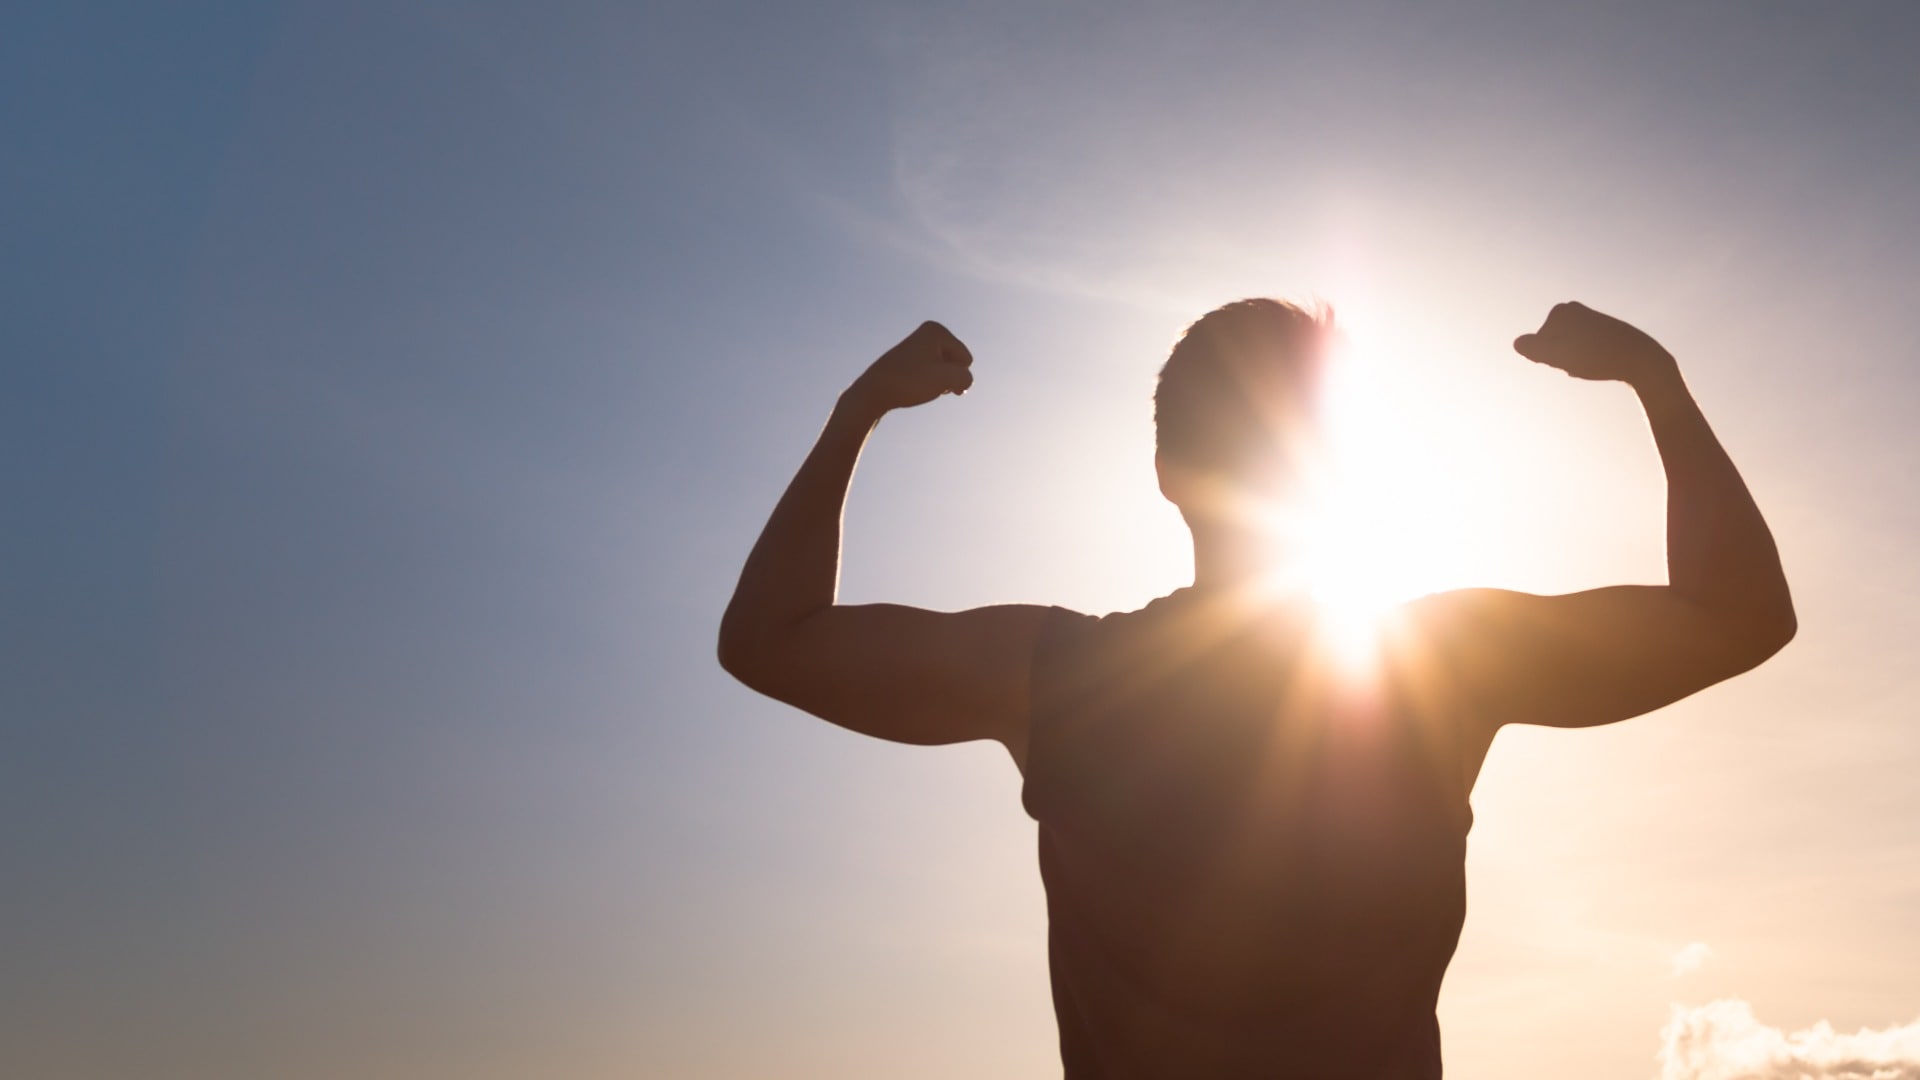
x,y
1236,409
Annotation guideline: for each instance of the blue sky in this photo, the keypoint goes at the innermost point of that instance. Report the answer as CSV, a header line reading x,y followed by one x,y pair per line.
x,y
393,390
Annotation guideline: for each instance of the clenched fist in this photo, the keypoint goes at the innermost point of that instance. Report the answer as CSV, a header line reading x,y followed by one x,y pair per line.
x,y
926,364
1588,345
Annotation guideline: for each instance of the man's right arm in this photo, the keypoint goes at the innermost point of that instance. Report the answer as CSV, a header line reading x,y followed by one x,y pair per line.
x,y
1609,654
894,672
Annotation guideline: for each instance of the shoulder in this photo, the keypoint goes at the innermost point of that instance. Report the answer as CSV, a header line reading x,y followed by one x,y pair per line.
x,y
1459,637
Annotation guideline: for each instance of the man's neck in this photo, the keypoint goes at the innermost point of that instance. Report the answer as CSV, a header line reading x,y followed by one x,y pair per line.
x,y
1232,558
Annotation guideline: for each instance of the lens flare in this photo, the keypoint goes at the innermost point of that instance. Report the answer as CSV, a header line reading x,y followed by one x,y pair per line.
x,y
1353,544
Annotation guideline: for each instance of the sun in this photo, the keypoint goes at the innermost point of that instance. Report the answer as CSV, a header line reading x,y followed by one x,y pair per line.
x,y
1356,546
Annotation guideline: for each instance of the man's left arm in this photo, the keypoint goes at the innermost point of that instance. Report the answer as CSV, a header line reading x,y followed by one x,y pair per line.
x,y
1604,655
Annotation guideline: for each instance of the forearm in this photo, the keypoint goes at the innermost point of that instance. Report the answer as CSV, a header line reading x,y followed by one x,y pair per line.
x,y
1720,554
794,568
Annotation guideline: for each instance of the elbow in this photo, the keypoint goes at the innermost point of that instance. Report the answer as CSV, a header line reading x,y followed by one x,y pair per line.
x,y
1767,632
752,653
744,663
1785,626
737,649
1783,623
728,653
761,652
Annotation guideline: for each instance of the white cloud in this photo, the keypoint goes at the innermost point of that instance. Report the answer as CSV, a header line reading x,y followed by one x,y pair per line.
x,y
1690,957
1721,1040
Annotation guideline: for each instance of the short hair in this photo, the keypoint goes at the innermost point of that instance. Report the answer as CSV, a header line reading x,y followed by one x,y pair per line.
x,y
1240,384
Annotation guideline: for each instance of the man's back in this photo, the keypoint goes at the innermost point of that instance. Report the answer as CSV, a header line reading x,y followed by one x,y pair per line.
x,y
1253,866
1253,859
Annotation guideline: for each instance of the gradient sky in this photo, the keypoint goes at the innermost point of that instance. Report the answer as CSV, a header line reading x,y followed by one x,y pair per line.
x,y
392,392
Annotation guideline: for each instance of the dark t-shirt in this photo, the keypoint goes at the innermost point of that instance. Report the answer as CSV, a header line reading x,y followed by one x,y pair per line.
x,y
1254,861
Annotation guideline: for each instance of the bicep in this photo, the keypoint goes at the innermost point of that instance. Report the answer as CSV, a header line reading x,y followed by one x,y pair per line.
x,y
907,674
1580,659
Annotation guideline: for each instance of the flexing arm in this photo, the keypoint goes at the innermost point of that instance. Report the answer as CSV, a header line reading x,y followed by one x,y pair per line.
x,y
1609,654
1720,555
895,672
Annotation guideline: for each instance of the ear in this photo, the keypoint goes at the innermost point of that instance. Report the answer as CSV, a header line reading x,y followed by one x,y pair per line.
x,y
1170,477
1183,487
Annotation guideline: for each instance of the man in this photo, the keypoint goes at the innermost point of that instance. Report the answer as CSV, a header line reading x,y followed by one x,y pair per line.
x,y
1253,853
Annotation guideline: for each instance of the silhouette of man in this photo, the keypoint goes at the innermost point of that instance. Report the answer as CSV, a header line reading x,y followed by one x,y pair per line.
x,y
1253,854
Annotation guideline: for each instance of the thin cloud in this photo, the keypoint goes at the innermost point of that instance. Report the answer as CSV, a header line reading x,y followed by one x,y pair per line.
x,y
1690,957
1722,1040
1120,169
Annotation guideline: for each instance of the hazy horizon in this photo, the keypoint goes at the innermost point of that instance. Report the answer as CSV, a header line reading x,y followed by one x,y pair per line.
x,y
394,390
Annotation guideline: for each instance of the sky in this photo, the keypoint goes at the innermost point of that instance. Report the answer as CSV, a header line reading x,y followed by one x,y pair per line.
x,y
392,391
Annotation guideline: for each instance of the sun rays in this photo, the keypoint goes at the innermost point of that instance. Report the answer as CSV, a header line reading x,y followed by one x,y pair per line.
x,y
1359,539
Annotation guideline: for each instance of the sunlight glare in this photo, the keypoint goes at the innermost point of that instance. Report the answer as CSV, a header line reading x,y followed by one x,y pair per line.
x,y
1356,547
